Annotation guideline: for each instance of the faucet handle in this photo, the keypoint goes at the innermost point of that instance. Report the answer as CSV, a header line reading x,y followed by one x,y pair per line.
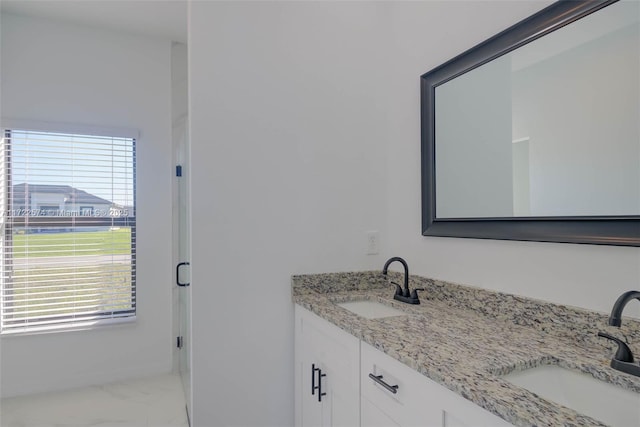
x,y
623,354
414,293
398,289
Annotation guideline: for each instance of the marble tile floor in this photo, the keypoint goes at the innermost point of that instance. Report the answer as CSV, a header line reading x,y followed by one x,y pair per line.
x,y
150,402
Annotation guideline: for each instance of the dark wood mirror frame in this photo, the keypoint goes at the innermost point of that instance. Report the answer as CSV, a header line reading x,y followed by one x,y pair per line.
x,y
602,230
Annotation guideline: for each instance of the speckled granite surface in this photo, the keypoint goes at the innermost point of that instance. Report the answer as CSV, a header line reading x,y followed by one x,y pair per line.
x,y
464,338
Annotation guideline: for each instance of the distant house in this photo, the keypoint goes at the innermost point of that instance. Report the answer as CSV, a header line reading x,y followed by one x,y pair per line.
x,y
58,200
44,200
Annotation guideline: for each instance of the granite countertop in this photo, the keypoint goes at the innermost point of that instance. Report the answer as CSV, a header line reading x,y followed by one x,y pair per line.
x,y
464,338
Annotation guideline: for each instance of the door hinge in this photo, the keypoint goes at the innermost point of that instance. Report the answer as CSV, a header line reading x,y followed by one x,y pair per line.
x,y
179,342
179,170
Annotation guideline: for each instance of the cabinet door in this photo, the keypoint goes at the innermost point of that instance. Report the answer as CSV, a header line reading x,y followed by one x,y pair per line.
x,y
459,412
308,408
336,356
340,406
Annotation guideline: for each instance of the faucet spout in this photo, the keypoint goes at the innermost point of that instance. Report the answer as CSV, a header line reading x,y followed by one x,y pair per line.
x,y
404,295
406,272
616,313
623,359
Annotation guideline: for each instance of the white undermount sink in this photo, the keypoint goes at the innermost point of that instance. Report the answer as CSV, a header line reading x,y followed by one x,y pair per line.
x,y
371,309
597,399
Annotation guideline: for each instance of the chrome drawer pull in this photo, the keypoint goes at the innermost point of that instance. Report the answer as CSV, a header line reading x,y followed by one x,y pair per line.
x,y
378,378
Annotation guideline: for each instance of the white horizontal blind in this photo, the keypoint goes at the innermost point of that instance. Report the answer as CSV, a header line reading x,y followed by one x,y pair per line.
x,y
68,230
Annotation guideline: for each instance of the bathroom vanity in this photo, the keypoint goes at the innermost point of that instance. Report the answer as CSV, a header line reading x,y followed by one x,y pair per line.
x,y
334,371
448,361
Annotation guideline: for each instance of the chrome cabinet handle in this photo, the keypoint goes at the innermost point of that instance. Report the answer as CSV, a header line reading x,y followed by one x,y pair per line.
x,y
378,379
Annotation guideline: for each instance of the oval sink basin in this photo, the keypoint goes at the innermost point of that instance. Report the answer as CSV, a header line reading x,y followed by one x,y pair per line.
x,y
371,309
597,399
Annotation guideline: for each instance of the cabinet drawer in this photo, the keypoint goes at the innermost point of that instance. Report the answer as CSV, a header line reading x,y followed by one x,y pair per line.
x,y
416,400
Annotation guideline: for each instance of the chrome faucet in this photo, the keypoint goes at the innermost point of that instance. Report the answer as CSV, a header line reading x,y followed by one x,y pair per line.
x,y
616,313
623,360
404,295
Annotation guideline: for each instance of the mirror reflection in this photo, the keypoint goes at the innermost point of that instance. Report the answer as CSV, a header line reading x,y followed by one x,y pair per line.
x,y
549,129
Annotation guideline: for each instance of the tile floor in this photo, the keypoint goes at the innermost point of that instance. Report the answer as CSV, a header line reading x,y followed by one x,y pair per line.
x,y
150,402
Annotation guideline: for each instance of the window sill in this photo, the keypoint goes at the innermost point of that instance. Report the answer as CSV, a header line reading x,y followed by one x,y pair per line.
x,y
80,326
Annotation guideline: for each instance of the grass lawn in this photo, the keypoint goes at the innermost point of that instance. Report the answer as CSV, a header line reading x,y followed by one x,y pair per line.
x,y
70,285
59,291
117,241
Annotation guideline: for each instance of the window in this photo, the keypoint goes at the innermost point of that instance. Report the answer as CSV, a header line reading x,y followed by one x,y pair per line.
x,y
68,230
86,210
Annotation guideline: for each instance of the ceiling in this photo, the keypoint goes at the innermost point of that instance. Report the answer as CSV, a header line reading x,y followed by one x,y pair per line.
x,y
166,19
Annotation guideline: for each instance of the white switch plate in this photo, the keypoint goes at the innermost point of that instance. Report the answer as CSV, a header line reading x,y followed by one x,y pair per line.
x,y
373,241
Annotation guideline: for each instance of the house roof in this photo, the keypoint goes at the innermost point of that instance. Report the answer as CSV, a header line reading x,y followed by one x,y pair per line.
x,y
73,195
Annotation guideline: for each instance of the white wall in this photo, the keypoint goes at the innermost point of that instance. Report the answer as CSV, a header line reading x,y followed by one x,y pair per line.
x,y
62,73
287,140
305,133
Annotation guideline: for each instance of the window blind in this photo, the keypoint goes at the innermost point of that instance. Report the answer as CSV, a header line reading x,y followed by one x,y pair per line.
x,y
68,230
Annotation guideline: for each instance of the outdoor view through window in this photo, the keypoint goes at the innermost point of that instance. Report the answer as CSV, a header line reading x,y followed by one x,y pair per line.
x,y
67,230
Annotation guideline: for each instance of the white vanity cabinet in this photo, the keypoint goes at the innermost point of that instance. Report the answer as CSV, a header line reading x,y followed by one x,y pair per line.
x,y
332,361
327,376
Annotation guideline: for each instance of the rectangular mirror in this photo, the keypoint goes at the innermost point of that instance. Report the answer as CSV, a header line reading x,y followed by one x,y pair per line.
x,y
535,133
